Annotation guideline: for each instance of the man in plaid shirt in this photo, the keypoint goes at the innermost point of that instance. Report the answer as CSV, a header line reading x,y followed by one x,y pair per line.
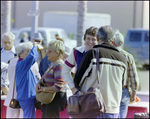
x,y
131,83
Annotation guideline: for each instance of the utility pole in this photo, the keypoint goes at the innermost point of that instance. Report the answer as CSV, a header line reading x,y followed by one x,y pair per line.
x,y
34,13
5,17
134,14
82,10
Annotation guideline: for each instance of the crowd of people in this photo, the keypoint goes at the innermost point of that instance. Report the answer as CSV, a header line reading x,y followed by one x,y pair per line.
x,y
30,62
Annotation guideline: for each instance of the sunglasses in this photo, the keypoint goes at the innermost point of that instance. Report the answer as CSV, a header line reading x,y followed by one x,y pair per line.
x,y
38,41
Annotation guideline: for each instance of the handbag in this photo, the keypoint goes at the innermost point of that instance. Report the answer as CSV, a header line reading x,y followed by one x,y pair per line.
x,y
14,103
45,97
90,104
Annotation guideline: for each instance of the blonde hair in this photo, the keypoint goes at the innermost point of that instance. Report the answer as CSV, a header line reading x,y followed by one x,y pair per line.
x,y
58,46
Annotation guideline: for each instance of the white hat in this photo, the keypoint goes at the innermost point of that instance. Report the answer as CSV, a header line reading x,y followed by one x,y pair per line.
x,y
67,50
38,36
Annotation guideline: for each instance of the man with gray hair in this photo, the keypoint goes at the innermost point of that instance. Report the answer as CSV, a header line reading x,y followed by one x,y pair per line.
x,y
132,81
8,51
112,71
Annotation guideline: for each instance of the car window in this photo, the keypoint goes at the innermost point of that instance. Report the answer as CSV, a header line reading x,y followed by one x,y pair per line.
x,y
52,34
64,35
135,36
146,38
29,35
20,36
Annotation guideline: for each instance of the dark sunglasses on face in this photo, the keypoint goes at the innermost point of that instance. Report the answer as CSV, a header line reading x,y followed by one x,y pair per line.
x,y
38,41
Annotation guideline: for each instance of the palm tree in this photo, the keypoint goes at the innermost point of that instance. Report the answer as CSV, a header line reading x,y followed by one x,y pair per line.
x,y
82,10
5,17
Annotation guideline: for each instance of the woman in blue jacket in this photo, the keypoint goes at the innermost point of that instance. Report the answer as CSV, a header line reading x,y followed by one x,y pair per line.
x,y
25,79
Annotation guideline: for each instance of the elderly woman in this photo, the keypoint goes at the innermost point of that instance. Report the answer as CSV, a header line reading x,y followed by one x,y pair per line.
x,y
55,80
25,79
16,113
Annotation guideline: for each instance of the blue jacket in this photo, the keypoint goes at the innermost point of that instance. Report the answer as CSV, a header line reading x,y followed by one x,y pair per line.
x,y
44,64
25,79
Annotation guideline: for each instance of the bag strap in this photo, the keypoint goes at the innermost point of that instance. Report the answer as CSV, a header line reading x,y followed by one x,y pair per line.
x,y
47,72
97,66
14,83
3,69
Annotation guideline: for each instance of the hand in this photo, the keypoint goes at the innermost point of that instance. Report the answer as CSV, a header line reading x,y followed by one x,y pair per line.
x,y
138,99
38,77
35,43
42,89
37,89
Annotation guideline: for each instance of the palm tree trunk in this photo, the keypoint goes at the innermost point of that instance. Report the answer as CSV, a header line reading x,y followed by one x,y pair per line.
x,y
82,10
5,16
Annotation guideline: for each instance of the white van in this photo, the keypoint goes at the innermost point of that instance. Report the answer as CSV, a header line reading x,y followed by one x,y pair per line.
x,y
48,34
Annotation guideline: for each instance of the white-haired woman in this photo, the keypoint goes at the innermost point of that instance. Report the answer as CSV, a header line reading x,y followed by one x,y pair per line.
x,y
55,80
25,79
16,113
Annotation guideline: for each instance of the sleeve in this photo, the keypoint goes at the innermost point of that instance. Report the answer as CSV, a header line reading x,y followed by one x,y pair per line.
x,y
4,78
58,78
26,64
66,70
133,78
35,70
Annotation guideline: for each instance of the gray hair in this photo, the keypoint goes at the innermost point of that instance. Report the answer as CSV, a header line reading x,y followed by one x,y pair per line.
x,y
25,34
119,39
106,33
9,34
21,47
58,46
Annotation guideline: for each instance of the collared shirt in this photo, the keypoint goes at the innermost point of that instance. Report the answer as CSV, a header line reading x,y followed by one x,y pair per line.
x,y
7,55
132,78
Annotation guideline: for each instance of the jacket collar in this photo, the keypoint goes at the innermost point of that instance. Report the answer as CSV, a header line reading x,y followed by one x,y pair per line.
x,y
12,49
81,49
20,59
106,45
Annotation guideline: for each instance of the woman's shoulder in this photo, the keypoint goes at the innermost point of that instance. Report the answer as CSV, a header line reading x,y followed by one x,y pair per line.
x,y
59,63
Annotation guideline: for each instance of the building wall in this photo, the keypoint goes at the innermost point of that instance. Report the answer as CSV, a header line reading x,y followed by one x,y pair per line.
x,y
122,12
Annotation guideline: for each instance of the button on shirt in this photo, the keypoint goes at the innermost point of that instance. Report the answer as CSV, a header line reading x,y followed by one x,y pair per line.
x,y
7,55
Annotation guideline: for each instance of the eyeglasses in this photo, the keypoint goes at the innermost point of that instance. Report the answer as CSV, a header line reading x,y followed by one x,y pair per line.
x,y
38,41
28,51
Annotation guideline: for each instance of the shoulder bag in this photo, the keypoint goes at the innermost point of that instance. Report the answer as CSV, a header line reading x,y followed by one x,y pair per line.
x,y
14,103
90,104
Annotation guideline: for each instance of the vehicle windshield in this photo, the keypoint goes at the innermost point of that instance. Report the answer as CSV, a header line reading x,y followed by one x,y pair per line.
x,y
146,37
52,34
29,34
135,36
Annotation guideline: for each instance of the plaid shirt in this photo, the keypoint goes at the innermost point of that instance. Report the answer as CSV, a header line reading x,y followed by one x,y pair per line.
x,y
132,80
